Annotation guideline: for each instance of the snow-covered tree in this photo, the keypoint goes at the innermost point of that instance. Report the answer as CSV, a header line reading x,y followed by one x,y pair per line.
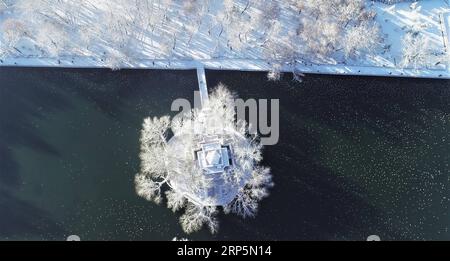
x,y
148,188
360,39
416,50
246,202
53,39
12,31
195,216
153,139
270,12
275,73
153,170
327,26
175,200
234,26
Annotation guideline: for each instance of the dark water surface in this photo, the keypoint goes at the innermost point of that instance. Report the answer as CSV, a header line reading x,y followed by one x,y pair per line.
x,y
357,156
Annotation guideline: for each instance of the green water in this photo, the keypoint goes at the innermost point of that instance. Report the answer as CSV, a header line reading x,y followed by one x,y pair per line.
x,y
357,156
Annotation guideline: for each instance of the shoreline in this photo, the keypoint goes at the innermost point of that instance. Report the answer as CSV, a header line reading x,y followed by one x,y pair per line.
x,y
229,65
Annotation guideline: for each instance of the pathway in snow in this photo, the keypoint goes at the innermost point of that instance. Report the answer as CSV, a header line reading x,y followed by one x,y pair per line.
x,y
231,64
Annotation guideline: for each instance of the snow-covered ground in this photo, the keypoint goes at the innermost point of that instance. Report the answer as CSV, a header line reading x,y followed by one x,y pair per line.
x,y
424,17
208,48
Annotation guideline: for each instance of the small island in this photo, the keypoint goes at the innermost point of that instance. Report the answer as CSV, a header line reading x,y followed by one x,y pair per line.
x,y
202,161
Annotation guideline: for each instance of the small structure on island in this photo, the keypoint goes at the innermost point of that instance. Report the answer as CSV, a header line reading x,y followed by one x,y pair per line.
x,y
214,162
207,159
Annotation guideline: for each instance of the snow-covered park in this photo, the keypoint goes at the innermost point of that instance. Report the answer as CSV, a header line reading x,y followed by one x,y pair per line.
x,y
302,36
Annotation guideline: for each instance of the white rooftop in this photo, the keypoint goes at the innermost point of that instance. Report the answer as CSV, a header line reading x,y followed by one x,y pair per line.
x,y
212,157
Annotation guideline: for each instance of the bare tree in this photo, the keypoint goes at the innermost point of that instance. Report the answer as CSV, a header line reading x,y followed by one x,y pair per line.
x,y
361,39
53,39
175,200
275,73
13,30
196,216
246,202
148,188
153,170
329,26
153,138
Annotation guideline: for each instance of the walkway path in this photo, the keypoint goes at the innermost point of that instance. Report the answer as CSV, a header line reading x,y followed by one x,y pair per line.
x,y
201,76
231,64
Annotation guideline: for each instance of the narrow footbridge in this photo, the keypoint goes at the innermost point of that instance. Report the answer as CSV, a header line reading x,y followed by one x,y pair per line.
x,y
201,76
